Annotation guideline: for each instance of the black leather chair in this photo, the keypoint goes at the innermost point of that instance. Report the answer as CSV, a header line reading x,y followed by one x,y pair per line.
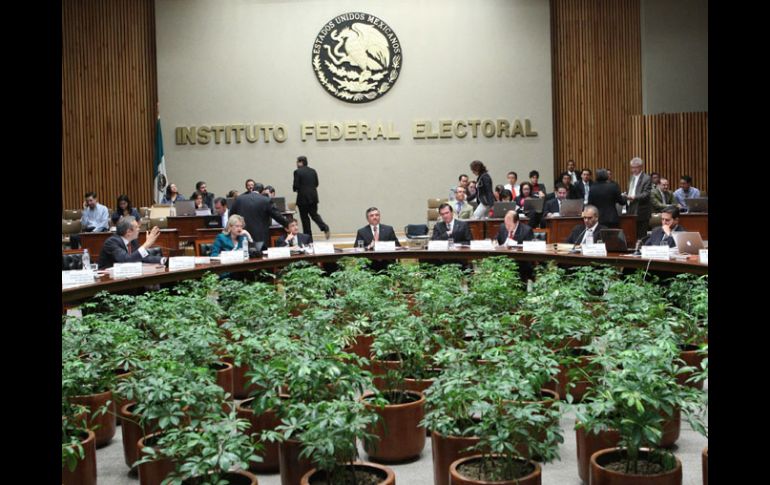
x,y
71,261
155,251
412,230
206,249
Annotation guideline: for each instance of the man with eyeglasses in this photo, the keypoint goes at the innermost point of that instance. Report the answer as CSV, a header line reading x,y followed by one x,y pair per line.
x,y
590,231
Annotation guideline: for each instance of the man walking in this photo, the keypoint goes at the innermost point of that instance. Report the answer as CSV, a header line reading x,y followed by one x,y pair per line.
x,y
305,185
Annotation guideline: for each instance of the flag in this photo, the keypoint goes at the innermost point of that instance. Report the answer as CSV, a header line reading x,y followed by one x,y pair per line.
x,y
160,180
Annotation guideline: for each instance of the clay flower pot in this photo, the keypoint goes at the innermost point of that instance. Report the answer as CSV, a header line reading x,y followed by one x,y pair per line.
x,y
119,403
400,435
459,479
692,357
293,468
132,433
265,421
154,472
671,428
106,422
447,449
386,475
589,443
85,471
705,465
600,475
238,477
242,388
548,399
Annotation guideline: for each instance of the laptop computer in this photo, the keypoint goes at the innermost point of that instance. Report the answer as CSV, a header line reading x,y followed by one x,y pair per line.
x,y
571,208
688,242
501,208
184,208
614,240
698,204
279,203
534,204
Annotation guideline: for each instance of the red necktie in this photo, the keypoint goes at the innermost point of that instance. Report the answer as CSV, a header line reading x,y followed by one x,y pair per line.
x,y
376,234
129,248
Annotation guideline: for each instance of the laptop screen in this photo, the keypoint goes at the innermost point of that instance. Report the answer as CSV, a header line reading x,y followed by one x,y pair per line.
x,y
501,208
571,208
688,242
185,207
279,203
698,204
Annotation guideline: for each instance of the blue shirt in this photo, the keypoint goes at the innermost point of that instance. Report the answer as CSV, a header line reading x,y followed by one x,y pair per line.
x,y
681,197
224,242
118,214
98,218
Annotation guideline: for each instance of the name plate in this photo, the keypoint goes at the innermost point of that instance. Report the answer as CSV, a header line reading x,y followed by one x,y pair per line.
x,y
76,277
438,245
181,262
202,260
595,250
482,245
230,257
323,248
656,252
126,270
534,247
385,246
703,256
284,252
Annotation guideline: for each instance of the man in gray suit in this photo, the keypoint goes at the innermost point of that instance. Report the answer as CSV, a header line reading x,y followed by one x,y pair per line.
x,y
638,197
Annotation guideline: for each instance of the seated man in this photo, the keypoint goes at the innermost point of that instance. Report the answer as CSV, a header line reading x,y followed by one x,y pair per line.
x,y
123,246
95,218
458,230
461,206
553,206
669,223
221,210
685,191
293,238
375,231
590,231
660,196
512,232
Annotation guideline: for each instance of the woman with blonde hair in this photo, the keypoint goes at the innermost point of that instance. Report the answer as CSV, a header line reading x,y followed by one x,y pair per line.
x,y
234,236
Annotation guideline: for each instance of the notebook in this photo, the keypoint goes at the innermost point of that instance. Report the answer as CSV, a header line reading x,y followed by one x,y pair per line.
x,y
571,208
688,242
501,208
698,204
184,208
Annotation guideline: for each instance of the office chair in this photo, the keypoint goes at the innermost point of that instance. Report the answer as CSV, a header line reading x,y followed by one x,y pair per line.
x,y
161,222
71,261
72,214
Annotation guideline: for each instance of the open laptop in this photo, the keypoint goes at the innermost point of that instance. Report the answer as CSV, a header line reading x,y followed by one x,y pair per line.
x,y
571,208
614,240
279,203
534,204
184,208
698,204
688,242
501,208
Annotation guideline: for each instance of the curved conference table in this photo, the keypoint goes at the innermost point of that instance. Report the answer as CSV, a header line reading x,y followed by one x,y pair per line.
x,y
159,274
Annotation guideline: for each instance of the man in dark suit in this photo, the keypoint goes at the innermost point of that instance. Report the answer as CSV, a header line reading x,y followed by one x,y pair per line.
x,y
293,238
604,195
458,230
669,223
638,197
590,230
256,210
305,185
513,230
553,206
123,246
375,231
583,186
660,196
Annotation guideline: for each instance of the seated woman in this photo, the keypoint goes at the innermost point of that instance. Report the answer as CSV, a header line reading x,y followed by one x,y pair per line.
x,y
505,196
124,209
172,195
525,192
199,205
233,237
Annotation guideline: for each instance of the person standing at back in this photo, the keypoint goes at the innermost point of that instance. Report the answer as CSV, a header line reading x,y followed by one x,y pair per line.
x,y
603,196
484,187
305,185
638,196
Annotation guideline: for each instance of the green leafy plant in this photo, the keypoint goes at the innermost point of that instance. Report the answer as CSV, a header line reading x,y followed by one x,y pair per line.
x,y
496,284
73,429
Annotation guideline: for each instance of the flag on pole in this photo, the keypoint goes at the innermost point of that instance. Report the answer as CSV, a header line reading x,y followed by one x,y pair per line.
x,y
160,180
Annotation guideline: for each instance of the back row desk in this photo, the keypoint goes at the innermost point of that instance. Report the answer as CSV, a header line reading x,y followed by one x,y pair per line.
x,y
557,228
168,240
163,275
188,226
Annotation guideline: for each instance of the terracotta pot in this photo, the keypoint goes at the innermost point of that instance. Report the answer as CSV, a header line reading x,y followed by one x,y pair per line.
x,y
671,428
242,387
224,379
154,472
400,435
293,468
588,444
559,384
705,465
447,449
132,433
119,403
602,476
85,471
265,421
362,346
549,398
691,357
239,477
457,479
106,422
386,474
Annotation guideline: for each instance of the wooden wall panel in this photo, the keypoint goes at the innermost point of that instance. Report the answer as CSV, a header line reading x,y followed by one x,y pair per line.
x,y
109,94
597,83
674,144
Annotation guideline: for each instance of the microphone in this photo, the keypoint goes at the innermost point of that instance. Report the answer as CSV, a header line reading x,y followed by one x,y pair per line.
x,y
639,242
579,239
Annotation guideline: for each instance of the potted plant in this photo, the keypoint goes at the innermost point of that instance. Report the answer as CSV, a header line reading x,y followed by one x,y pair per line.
x,y
90,382
213,450
304,285
78,446
496,284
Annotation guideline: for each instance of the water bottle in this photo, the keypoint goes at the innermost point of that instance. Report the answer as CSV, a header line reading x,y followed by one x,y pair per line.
x,y
245,246
86,260
590,238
